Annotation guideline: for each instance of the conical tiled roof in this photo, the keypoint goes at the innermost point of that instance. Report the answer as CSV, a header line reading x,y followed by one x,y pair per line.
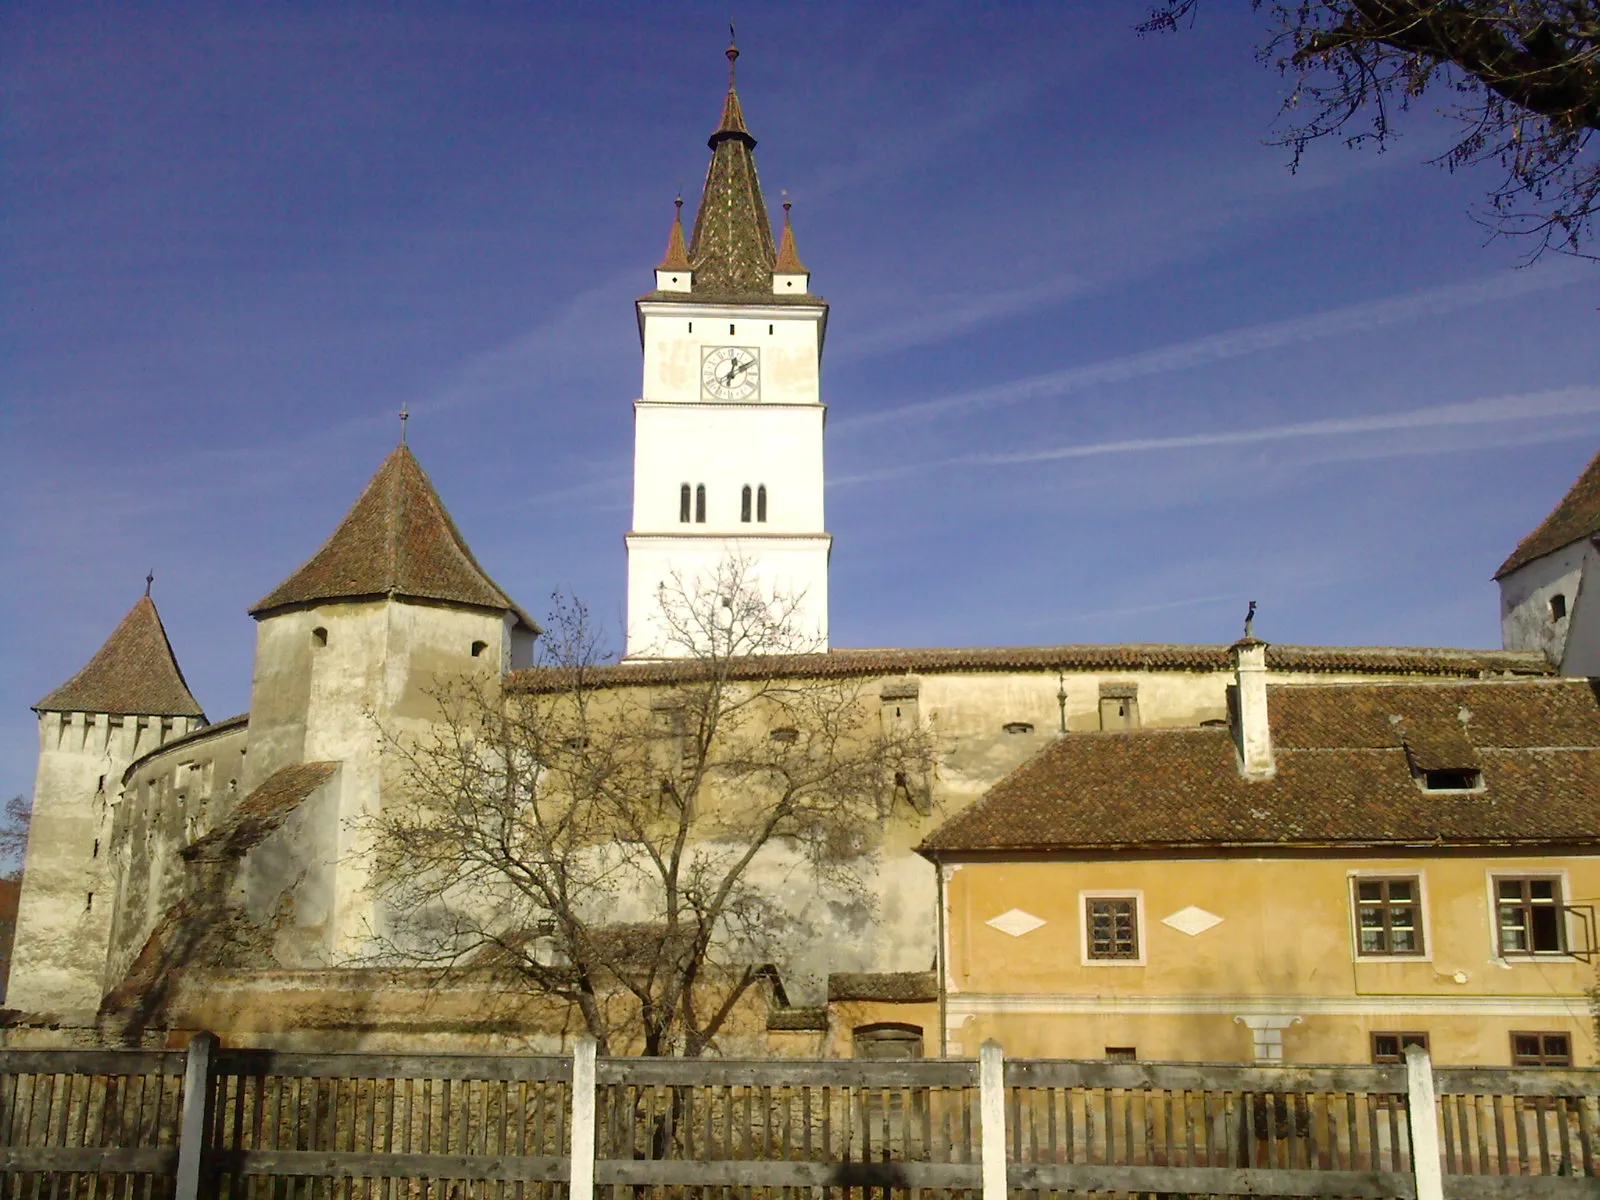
x,y
133,674
731,250
1577,516
397,540
677,256
788,257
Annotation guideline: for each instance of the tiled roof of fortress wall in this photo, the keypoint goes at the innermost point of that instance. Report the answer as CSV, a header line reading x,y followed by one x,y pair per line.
x,y
1376,660
1345,774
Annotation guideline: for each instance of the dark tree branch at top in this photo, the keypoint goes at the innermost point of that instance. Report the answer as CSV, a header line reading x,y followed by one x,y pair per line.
x,y
1524,77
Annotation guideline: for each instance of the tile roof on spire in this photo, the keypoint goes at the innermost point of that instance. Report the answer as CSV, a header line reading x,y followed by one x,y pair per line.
x,y
1576,517
731,250
677,256
133,674
788,262
396,540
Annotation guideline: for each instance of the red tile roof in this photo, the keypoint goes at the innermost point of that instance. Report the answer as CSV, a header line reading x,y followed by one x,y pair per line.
x,y
677,256
133,674
833,664
1344,776
1576,517
788,261
396,540
261,812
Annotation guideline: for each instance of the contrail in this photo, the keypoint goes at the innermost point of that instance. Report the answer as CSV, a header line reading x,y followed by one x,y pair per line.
x,y
1235,343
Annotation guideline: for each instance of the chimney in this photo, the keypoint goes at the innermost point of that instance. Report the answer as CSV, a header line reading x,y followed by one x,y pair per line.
x,y
1248,706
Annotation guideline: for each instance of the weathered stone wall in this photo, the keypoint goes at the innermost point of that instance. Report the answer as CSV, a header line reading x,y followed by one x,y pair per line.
x,y
1527,621
166,801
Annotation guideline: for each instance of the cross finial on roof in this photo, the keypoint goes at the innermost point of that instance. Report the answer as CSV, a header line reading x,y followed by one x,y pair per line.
x,y
149,579
405,415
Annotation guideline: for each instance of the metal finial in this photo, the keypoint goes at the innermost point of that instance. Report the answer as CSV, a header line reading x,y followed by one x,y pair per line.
x,y
787,204
1250,621
1061,698
149,579
405,415
733,53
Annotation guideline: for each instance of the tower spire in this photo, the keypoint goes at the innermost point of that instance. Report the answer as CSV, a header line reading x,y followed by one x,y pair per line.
x,y
788,262
677,256
732,250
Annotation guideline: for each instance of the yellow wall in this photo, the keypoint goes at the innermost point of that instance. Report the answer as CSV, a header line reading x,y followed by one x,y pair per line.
x,y
1284,949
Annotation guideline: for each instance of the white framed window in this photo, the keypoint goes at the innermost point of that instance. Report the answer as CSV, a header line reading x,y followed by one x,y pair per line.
x,y
1528,915
1389,915
1111,928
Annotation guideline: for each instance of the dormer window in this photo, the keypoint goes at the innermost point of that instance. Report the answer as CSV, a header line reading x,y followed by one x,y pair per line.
x,y
1452,779
1558,607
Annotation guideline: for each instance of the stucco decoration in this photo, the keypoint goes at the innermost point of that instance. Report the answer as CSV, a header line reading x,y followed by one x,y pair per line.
x,y
1016,922
1192,920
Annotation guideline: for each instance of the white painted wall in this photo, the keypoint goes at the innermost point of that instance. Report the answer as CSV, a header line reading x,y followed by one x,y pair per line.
x,y
1526,622
773,439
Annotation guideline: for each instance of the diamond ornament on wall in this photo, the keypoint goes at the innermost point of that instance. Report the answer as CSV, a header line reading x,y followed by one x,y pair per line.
x,y
1192,920
1015,922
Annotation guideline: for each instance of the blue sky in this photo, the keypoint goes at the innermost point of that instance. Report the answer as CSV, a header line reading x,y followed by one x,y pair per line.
x,y
1100,368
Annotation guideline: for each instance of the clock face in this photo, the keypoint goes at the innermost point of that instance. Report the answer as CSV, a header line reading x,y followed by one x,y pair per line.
x,y
730,372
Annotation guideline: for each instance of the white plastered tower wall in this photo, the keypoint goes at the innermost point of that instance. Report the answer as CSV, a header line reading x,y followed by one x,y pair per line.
x,y
1550,604
64,912
770,442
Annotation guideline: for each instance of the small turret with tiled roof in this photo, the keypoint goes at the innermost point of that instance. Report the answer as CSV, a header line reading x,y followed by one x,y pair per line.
x,y
674,274
397,540
133,674
789,274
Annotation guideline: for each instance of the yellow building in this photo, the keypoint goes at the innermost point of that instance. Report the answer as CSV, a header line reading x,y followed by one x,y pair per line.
x,y
1375,864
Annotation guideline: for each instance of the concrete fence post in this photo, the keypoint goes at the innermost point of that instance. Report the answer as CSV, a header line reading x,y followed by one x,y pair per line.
x,y
580,1178
1424,1124
196,1100
992,1118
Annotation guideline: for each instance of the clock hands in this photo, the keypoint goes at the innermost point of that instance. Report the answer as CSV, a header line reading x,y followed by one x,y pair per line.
x,y
736,367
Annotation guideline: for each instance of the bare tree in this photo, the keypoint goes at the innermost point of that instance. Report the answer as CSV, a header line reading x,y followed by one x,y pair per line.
x,y
14,836
1523,77
625,850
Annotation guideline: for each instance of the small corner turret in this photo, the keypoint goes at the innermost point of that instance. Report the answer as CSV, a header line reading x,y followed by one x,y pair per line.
x,y
789,274
674,273
128,700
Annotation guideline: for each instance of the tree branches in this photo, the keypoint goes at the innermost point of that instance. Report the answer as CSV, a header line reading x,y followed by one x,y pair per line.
x,y
1524,77
625,852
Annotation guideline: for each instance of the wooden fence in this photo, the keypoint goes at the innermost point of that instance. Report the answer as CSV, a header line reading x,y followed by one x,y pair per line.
x,y
247,1124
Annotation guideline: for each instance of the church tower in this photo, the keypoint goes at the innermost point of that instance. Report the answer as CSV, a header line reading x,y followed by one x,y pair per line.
x,y
728,428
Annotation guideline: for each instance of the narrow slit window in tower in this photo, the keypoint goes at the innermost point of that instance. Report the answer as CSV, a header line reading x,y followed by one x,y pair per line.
x,y
744,504
319,636
683,504
700,504
761,503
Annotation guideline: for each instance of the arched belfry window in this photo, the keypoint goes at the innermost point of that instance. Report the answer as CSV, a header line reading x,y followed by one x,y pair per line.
x,y
744,504
700,504
761,503
683,504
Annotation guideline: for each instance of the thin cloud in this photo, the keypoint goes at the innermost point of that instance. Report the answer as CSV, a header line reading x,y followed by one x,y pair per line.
x,y
1527,406
959,314
1199,352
